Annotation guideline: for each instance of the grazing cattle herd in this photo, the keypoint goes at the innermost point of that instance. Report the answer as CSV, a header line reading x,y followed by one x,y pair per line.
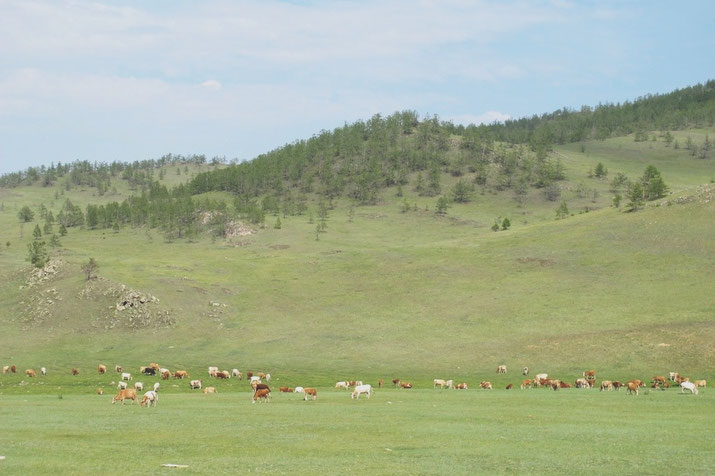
x,y
262,392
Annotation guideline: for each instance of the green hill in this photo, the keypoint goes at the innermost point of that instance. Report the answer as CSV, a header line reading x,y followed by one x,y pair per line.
x,y
363,276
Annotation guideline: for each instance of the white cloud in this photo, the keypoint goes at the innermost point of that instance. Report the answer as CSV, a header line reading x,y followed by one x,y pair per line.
x,y
211,84
485,118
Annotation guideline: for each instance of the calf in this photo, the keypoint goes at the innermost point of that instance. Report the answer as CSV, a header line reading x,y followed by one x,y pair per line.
x,y
525,384
122,395
379,383
13,369
508,387
286,390
100,391
43,370
118,369
310,391
75,372
30,373
261,395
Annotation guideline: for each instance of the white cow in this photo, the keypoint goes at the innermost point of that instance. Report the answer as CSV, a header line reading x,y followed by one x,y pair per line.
x,y
256,378
298,390
541,376
139,387
195,384
150,397
359,389
126,376
122,385
156,387
236,373
342,384
268,377
440,382
43,370
690,386
449,383
212,371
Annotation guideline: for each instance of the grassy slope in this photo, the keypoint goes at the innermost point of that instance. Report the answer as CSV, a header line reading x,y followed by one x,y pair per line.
x,y
401,293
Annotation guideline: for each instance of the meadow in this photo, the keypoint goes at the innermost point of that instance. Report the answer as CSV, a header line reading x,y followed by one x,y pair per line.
x,y
418,431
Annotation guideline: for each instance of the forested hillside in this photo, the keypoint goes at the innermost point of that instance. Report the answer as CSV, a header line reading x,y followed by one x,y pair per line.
x,y
503,242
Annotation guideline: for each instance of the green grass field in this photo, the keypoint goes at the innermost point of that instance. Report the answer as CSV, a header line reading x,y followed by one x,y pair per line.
x,y
418,431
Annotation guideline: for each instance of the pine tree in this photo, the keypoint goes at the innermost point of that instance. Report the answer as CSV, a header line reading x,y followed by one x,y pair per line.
x,y
562,211
505,224
37,233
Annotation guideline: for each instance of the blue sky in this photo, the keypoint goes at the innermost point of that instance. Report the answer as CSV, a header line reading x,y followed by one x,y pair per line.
x,y
113,80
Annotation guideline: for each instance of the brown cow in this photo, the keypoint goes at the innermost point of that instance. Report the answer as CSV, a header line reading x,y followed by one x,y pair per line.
x,y
310,391
617,384
379,383
525,384
222,374
508,387
286,390
405,385
486,385
249,375
13,369
75,372
563,384
632,388
659,379
395,382
208,390
30,373
165,375
462,386
701,383
100,391
590,374
102,369
606,385
181,374
261,395
125,394
118,369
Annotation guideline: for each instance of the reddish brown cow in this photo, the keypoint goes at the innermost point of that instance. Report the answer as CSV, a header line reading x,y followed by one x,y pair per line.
x,y
486,385
310,391
563,384
13,369
181,374
590,374
222,374
379,383
102,369
632,388
405,385
249,375
395,382
617,384
75,372
525,384
508,387
659,379
261,395
125,394
286,390
30,373
462,386
165,375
